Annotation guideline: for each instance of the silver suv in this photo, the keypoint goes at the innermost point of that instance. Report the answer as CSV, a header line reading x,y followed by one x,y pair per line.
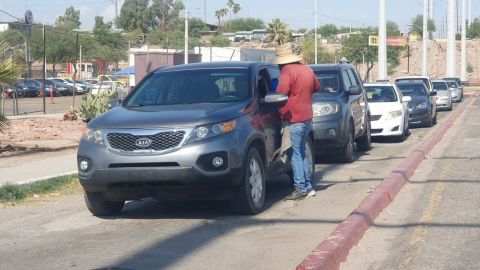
x,y
199,131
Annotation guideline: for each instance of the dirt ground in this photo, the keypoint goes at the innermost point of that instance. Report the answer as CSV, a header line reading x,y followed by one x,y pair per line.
x,y
28,135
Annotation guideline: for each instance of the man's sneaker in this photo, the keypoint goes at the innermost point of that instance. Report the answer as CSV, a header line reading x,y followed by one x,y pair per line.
x,y
310,193
296,195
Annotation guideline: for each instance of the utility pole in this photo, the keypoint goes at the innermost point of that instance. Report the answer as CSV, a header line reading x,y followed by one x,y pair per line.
x,y
382,46
80,64
430,9
469,12
463,61
75,72
316,38
116,13
205,11
425,38
44,69
451,38
186,37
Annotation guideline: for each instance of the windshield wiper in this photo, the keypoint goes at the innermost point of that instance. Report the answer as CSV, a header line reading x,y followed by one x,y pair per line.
x,y
138,105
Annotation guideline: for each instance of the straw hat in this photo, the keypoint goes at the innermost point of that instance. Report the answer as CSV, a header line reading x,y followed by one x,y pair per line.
x,y
284,55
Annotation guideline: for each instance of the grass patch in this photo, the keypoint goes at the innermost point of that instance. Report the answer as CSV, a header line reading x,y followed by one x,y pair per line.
x,y
17,193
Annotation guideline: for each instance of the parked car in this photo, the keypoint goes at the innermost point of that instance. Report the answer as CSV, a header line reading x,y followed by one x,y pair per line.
x,y
33,88
110,87
198,131
85,86
455,90
421,108
459,83
59,89
66,89
18,88
340,112
389,110
444,95
421,79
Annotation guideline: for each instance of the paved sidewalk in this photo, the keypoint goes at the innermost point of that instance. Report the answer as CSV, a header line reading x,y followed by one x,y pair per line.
x,y
27,171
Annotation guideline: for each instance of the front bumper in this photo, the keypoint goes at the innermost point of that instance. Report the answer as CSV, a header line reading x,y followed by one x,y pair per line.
x,y
419,117
329,132
185,167
393,127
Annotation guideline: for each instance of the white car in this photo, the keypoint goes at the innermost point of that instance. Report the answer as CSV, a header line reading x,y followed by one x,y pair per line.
x,y
444,95
388,109
108,87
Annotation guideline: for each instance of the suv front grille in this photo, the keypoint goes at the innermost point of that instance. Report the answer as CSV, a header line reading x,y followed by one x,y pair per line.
x,y
159,142
375,117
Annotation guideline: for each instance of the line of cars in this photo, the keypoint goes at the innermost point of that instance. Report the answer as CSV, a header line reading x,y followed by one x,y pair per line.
x,y
213,131
59,86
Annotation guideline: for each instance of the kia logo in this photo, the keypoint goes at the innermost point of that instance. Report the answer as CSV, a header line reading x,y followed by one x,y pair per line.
x,y
143,142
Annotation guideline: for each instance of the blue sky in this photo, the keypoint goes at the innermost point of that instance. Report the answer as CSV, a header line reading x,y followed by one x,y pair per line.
x,y
297,14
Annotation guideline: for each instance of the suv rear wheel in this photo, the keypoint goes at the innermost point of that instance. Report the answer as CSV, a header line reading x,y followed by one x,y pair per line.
x,y
250,195
99,206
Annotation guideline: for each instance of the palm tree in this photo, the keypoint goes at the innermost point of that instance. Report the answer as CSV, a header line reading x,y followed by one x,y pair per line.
x,y
278,31
220,14
8,72
235,9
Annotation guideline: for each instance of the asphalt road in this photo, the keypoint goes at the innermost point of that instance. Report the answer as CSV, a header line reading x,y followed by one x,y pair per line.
x,y
35,105
149,235
434,223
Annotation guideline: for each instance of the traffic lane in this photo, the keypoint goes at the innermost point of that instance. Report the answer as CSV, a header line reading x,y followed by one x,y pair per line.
x,y
149,235
431,224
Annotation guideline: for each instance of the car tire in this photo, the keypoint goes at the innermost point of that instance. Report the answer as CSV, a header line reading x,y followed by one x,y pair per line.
x,y
364,143
250,195
310,151
347,154
99,206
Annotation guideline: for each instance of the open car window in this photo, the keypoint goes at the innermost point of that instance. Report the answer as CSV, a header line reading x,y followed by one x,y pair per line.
x,y
329,81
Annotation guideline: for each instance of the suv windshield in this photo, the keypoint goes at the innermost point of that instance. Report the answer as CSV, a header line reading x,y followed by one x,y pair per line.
x,y
416,89
452,84
329,81
440,86
381,94
192,86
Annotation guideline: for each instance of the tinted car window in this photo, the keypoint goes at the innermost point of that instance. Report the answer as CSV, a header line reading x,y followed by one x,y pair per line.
x,y
413,89
346,81
352,77
440,86
424,81
192,86
329,81
381,94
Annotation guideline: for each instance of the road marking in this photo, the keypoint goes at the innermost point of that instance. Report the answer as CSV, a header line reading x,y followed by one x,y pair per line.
x,y
418,238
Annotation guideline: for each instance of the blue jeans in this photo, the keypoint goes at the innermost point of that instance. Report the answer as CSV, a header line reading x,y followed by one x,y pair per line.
x,y
301,166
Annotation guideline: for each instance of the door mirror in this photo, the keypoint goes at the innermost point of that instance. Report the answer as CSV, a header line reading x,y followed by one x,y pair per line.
x,y
274,98
355,90
406,99
433,93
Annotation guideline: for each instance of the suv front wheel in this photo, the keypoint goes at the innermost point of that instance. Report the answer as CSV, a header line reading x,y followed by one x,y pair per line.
x,y
364,143
99,206
250,195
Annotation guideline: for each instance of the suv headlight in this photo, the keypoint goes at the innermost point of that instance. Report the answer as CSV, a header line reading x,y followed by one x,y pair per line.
x,y
322,109
421,106
212,130
393,114
93,135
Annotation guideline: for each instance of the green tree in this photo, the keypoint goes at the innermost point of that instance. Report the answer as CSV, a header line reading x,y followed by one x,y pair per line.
x,y
15,43
308,52
220,13
167,13
236,9
417,25
245,24
392,29
112,46
327,31
474,30
278,32
70,20
136,14
220,41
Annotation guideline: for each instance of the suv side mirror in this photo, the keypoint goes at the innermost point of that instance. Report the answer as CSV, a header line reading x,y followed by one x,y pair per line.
x,y
433,93
406,99
354,90
272,98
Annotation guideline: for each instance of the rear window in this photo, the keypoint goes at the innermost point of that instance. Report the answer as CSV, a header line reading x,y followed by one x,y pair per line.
x,y
413,89
452,84
440,86
329,81
424,81
192,86
381,94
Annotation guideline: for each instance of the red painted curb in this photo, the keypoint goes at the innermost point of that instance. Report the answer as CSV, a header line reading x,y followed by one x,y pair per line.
x,y
334,250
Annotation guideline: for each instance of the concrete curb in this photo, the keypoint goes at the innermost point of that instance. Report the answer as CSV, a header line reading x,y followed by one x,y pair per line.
x,y
334,250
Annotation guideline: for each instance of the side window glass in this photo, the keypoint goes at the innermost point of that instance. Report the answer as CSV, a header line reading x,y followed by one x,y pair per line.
x,y
346,81
263,82
352,77
275,77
